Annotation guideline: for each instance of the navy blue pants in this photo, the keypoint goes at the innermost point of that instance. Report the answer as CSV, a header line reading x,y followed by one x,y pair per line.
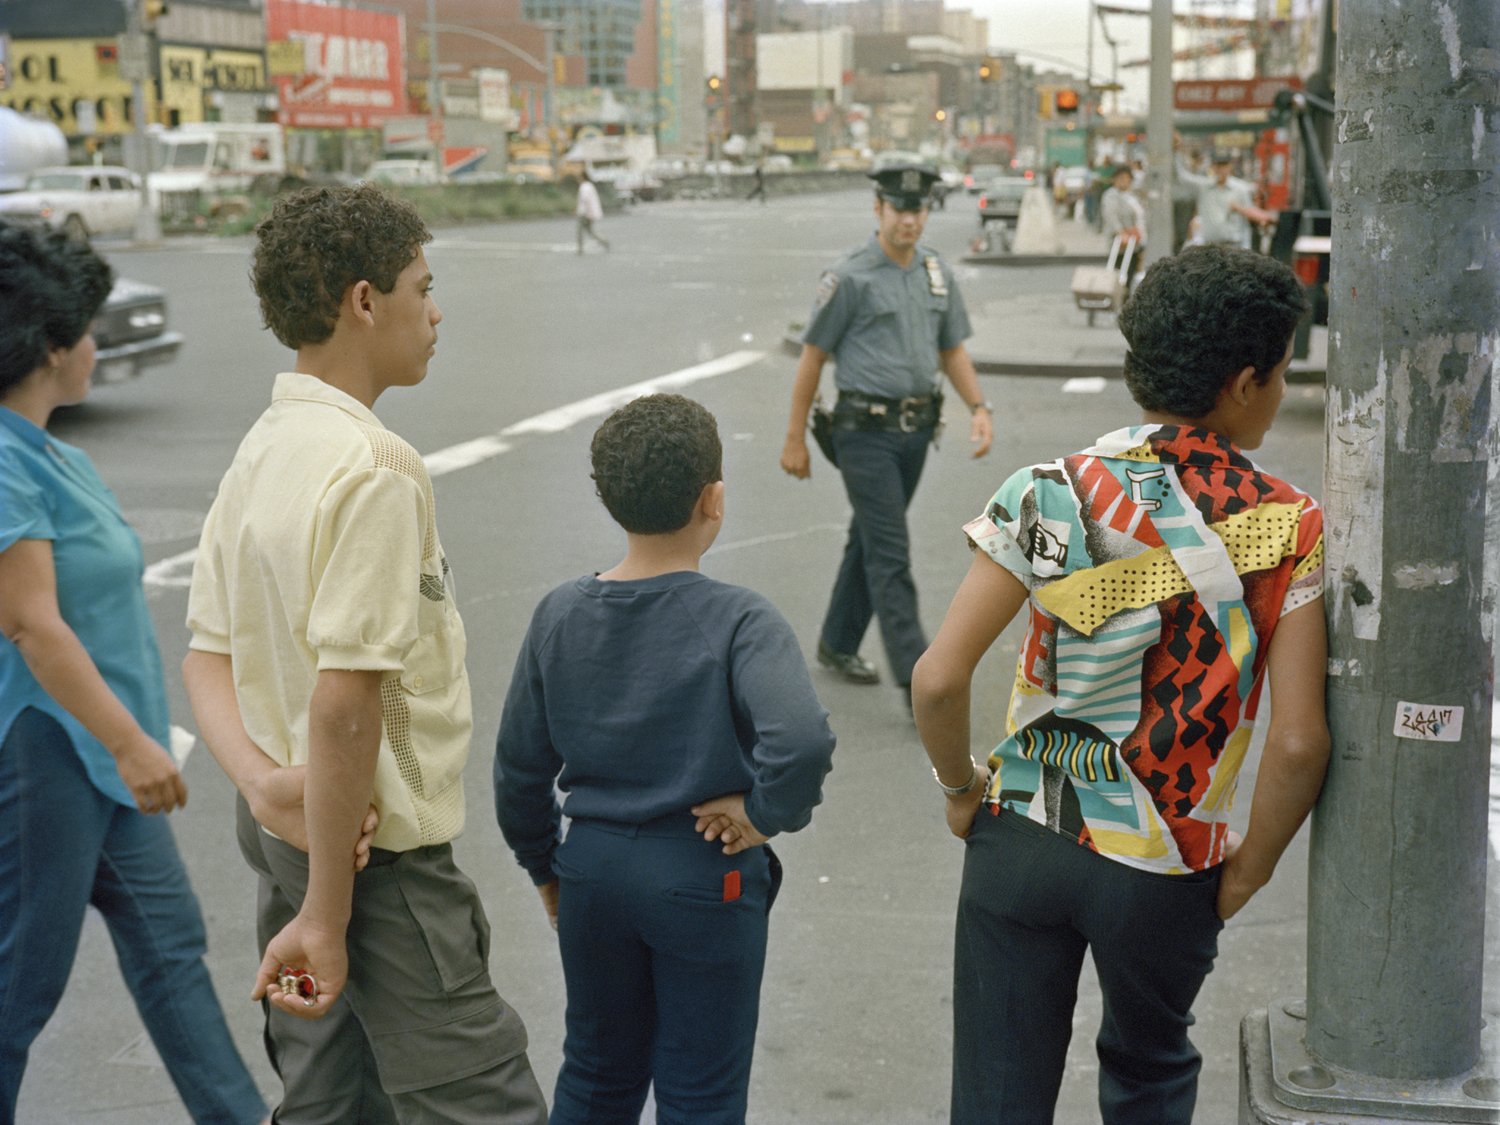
x,y
1031,903
663,974
881,469
64,846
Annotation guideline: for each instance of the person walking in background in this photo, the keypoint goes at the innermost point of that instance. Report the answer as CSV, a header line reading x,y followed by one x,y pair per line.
x,y
589,210
1225,203
325,635
891,315
86,779
676,770
760,184
1123,215
1165,577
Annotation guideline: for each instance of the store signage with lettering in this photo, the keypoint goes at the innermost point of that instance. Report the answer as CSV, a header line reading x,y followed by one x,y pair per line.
x,y
352,72
53,78
1232,93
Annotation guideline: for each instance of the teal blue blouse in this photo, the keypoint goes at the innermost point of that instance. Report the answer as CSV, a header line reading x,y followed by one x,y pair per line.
x,y
50,490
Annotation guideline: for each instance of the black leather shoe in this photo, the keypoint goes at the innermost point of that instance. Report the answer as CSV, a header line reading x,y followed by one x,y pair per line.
x,y
853,667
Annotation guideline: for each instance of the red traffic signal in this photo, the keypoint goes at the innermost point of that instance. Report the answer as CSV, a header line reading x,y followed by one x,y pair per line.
x,y
1066,100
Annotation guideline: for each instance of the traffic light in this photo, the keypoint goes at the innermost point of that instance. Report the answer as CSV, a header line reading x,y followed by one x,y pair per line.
x,y
713,88
1066,100
151,11
989,70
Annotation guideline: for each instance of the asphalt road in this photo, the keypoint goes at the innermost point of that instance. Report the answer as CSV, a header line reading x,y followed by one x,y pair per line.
x,y
856,1006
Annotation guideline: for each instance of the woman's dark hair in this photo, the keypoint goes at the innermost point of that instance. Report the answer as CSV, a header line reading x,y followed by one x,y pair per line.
x,y
1200,318
652,459
51,287
319,241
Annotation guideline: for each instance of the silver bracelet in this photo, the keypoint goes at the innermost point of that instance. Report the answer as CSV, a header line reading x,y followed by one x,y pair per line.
x,y
959,790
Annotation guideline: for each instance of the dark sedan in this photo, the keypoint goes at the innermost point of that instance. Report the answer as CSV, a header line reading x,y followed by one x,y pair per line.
x,y
131,332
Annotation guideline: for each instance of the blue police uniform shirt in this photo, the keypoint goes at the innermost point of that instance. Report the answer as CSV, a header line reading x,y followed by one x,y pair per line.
x,y
50,490
885,325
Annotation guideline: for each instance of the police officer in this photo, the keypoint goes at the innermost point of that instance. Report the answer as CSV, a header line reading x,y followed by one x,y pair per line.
x,y
890,314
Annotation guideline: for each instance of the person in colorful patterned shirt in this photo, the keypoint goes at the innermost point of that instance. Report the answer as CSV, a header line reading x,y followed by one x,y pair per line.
x,y
1165,577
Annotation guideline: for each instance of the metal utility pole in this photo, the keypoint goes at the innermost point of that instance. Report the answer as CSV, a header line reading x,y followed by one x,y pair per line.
x,y
1159,169
434,90
1088,103
135,67
1391,1027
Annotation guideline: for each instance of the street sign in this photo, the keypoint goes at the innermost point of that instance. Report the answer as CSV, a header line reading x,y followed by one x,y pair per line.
x,y
134,60
1232,93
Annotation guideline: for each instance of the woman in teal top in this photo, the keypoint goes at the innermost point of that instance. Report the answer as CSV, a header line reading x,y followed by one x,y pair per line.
x,y
84,771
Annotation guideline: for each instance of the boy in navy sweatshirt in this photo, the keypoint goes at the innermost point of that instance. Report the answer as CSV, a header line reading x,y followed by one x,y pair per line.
x,y
676,715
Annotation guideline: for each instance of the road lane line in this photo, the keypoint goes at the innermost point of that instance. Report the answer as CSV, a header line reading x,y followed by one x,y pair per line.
x,y
1088,385
464,454
564,417
177,570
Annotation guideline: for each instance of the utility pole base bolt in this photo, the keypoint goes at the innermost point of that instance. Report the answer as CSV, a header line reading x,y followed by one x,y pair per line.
x,y
1282,1083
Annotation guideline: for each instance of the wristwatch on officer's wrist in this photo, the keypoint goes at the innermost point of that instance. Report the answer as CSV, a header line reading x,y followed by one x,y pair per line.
x,y
982,404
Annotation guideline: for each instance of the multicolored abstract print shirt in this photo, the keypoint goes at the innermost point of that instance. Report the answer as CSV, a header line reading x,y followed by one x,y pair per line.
x,y
1158,564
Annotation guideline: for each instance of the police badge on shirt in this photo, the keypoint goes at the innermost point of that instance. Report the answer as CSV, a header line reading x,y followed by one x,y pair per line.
x,y
936,282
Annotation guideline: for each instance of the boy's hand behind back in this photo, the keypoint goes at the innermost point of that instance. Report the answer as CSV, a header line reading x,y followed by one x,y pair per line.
x,y
723,818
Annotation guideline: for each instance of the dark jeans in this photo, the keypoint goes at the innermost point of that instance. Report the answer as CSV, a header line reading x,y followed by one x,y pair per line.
x,y
64,846
1031,903
881,470
663,974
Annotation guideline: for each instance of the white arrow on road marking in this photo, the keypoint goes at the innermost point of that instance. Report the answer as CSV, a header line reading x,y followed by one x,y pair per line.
x,y
177,570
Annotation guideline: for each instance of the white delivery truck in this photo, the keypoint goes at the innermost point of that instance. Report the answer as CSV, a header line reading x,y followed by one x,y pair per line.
x,y
212,163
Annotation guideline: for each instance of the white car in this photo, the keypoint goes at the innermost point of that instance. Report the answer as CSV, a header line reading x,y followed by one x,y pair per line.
x,y
82,199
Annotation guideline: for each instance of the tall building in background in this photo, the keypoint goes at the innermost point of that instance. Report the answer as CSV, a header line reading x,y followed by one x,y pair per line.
x,y
740,67
601,32
681,116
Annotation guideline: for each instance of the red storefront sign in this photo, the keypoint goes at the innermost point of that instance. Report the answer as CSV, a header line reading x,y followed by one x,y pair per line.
x,y
353,64
1232,93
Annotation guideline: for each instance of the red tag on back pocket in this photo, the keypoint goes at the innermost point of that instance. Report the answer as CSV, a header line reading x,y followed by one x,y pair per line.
x,y
731,886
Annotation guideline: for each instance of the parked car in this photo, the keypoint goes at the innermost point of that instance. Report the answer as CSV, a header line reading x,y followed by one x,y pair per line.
x,y
979,175
83,199
1000,199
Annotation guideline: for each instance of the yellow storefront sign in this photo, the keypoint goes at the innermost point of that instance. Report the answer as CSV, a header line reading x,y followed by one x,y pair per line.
x,y
54,77
187,72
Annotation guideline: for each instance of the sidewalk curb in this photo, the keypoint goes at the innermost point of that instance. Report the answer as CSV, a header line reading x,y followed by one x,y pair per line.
x,y
1032,259
1052,369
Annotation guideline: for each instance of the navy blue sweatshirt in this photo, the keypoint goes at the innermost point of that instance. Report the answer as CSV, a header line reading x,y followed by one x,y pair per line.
x,y
643,698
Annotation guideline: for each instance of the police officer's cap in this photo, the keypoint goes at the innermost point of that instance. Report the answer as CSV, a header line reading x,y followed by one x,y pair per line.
x,y
905,186
1222,156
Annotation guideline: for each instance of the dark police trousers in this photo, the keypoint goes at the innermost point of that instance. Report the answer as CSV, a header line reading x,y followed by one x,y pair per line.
x,y
881,469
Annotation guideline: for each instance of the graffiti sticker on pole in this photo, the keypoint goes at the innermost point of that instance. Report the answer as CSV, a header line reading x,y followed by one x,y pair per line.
x,y
1429,722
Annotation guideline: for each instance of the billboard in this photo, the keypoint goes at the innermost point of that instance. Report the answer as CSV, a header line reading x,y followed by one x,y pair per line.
x,y
353,73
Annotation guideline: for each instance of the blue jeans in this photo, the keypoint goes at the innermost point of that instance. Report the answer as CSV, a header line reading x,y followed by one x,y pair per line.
x,y
1031,904
663,973
881,470
65,846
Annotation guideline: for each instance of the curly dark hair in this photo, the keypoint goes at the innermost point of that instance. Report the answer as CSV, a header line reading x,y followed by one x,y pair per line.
x,y
1200,318
316,243
652,459
51,287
